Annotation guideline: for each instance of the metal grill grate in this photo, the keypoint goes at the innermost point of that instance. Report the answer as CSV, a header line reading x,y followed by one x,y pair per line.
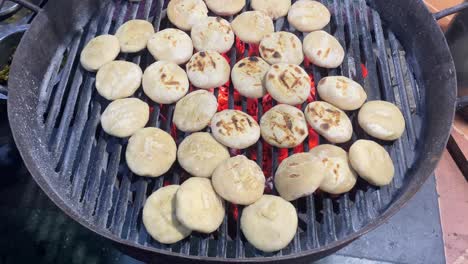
x,y
96,183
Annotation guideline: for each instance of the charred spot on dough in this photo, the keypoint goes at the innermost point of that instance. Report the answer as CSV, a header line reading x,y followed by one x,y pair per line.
x,y
200,65
249,122
327,53
298,70
275,67
325,160
294,175
325,126
235,121
340,83
288,121
277,55
241,65
300,131
172,83
219,123
333,112
163,76
271,76
203,54
292,164
213,63
254,59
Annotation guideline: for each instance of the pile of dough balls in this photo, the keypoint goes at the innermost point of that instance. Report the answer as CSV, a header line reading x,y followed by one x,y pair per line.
x,y
191,55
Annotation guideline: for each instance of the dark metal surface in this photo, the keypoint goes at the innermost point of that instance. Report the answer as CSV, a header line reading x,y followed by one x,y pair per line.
x,y
54,113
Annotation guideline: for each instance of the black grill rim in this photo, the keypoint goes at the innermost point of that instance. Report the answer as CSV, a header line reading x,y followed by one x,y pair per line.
x,y
21,78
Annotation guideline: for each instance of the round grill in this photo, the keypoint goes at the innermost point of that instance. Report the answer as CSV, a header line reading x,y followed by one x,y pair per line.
x,y
95,186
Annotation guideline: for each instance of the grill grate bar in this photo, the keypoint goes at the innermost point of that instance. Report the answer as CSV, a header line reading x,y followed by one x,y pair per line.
x,y
95,168
329,229
51,77
56,104
367,47
73,147
405,105
312,227
345,211
58,138
337,18
108,185
355,70
120,207
382,58
120,17
140,192
86,143
240,252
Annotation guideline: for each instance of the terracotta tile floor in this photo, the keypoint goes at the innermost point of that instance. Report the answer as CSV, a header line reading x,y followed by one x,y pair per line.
x,y
452,188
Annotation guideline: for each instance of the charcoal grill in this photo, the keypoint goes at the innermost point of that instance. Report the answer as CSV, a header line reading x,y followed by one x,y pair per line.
x,y
54,112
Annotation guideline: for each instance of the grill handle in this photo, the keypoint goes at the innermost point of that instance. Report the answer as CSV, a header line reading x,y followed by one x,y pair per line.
x,y
25,3
450,11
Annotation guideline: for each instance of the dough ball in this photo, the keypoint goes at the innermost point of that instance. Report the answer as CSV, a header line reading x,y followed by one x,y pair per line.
x,y
252,26
199,154
198,207
99,51
273,8
165,82
307,16
208,69
372,162
382,120
342,92
118,79
288,84
150,152
186,13
212,33
239,180
329,121
270,223
159,216
247,77
194,111
235,129
171,45
323,50
225,7
281,47
333,163
133,35
284,126
123,117
298,176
